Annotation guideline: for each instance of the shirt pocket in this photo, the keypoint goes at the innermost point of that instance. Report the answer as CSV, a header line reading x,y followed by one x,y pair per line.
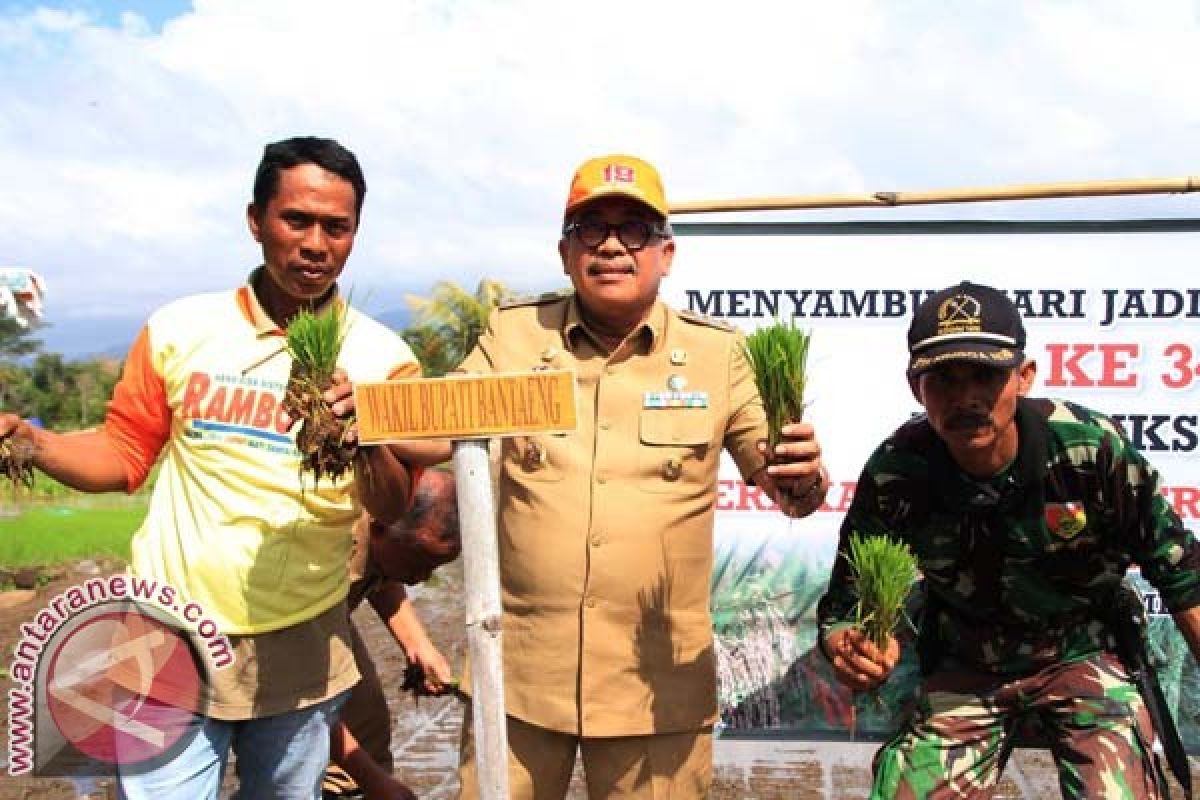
x,y
540,459
673,446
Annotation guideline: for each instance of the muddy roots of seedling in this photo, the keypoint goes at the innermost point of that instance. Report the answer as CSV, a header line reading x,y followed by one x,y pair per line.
x,y
321,439
16,461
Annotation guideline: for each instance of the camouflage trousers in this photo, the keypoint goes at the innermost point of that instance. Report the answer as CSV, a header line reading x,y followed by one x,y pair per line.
x,y
965,725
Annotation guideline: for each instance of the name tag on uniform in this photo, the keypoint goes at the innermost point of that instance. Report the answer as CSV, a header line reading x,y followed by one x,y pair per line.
x,y
675,400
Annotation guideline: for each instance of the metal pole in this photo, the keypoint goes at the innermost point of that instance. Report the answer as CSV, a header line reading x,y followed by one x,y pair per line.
x,y
1033,191
481,568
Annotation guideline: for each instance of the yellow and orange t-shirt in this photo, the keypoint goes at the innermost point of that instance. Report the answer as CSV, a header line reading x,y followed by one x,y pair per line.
x,y
230,525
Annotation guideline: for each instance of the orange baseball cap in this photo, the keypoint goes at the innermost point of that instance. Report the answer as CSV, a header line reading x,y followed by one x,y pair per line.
x,y
617,175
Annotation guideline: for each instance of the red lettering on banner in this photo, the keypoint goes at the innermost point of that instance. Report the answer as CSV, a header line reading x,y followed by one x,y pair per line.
x,y
197,387
1060,363
754,498
1114,362
724,488
1185,500
840,496
1066,369
739,496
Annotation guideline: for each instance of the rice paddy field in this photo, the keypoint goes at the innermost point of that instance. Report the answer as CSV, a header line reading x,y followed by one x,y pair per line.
x,y
52,534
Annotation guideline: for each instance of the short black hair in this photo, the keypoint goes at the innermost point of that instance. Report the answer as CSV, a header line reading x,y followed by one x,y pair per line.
x,y
325,153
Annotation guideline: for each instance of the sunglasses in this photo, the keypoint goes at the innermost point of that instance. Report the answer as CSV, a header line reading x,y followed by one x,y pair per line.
x,y
634,234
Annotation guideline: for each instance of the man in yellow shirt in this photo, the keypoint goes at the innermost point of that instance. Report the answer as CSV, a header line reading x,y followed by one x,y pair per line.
x,y
231,530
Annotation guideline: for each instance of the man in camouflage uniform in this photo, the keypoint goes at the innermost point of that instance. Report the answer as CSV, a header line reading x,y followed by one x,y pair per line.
x,y
1024,515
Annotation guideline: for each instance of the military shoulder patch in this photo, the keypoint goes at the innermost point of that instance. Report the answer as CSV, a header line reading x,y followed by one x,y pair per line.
x,y
536,299
1065,520
700,319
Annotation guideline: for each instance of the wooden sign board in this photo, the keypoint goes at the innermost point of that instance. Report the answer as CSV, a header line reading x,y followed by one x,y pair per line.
x,y
466,406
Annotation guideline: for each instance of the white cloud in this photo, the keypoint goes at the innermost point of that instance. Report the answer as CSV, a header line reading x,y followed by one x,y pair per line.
x,y
129,151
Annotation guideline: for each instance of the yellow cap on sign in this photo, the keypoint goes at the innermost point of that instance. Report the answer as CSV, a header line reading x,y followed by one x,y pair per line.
x,y
617,175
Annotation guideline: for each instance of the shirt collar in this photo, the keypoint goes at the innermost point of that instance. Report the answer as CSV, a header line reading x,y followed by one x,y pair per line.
x,y
257,316
651,330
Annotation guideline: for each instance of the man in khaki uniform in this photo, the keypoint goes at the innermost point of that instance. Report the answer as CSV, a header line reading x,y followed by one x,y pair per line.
x,y
606,533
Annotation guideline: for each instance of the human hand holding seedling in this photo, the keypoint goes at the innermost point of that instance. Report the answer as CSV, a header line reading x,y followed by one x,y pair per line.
x,y
857,662
17,449
778,356
883,571
325,438
794,477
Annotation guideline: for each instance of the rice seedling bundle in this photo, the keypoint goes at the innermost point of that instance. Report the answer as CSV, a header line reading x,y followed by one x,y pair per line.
x,y
883,571
16,461
314,341
778,356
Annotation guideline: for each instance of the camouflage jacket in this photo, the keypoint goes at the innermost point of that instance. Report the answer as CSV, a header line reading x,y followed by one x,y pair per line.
x,y
1016,566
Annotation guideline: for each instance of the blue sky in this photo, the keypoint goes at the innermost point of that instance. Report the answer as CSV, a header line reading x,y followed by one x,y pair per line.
x,y
131,130
153,12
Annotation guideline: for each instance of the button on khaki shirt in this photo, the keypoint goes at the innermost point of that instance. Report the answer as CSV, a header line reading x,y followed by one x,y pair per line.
x,y
606,533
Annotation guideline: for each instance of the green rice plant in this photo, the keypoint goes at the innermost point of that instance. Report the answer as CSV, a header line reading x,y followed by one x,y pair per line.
x,y
778,356
56,534
314,341
883,571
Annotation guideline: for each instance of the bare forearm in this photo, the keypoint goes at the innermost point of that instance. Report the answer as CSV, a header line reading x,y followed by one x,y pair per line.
x,y
397,611
392,604
388,599
425,452
384,483
86,460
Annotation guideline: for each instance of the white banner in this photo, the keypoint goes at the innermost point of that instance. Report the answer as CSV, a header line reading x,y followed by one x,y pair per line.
x,y
1113,322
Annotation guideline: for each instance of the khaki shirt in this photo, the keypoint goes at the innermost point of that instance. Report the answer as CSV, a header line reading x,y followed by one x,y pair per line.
x,y
606,533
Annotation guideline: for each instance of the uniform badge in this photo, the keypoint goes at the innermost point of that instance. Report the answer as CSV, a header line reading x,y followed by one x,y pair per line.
x,y
1065,520
549,353
533,457
678,357
675,399
676,383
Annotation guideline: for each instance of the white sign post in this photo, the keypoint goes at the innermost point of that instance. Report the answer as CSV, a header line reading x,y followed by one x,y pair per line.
x,y
464,408
481,571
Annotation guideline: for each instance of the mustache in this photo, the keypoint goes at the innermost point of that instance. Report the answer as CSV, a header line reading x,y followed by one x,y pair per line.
x,y
966,420
598,267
